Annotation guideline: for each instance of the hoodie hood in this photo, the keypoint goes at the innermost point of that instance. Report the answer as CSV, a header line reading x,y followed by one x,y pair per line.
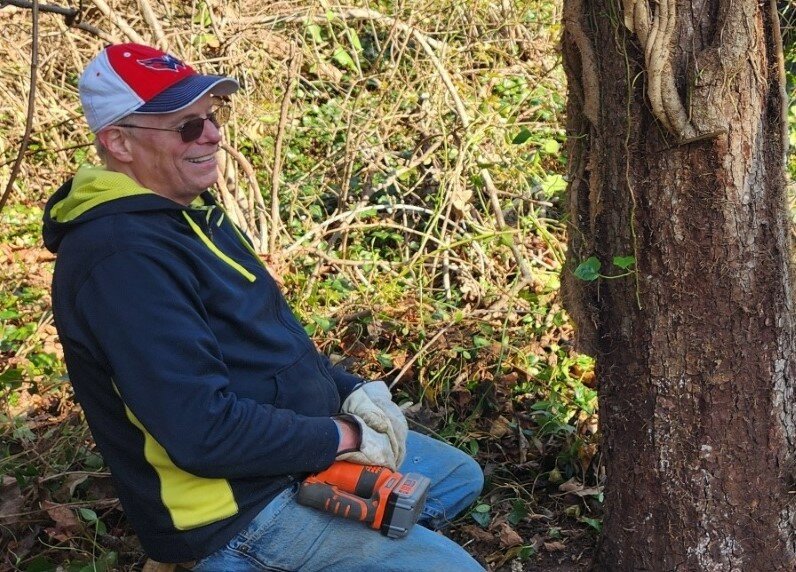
x,y
92,193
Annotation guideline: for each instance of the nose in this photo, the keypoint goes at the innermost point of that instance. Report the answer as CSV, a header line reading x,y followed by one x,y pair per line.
x,y
210,133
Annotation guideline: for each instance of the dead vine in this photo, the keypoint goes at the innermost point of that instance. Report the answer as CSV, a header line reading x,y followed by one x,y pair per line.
x,y
34,67
420,150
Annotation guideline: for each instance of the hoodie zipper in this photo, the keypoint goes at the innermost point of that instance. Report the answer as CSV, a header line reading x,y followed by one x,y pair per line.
x,y
214,249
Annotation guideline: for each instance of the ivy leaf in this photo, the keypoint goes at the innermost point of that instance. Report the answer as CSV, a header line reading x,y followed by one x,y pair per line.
x,y
385,360
342,57
354,38
87,514
323,322
481,514
595,523
550,146
506,240
480,341
552,184
522,136
11,378
518,512
315,32
624,262
589,269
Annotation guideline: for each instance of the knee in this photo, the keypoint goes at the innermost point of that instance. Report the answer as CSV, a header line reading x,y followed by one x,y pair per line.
x,y
470,474
466,477
473,471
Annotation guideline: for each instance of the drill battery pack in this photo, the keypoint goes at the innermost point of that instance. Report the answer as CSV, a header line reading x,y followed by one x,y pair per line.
x,y
404,505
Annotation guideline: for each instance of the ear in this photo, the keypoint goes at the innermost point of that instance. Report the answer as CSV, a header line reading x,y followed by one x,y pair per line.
x,y
117,143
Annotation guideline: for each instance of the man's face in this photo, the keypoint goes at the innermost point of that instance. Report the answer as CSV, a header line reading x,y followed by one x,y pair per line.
x,y
163,163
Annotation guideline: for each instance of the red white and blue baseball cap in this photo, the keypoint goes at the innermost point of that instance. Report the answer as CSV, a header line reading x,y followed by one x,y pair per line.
x,y
131,78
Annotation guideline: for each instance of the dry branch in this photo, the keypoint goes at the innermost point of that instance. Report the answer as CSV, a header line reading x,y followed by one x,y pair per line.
x,y
259,208
34,66
427,43
118,21
71,15
293,67
342,14
152,19
413,144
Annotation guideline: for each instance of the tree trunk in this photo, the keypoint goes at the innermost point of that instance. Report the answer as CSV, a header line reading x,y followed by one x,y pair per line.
x,y
677,138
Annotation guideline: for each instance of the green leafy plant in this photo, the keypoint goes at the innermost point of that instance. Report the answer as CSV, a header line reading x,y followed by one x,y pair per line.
x,y
589,269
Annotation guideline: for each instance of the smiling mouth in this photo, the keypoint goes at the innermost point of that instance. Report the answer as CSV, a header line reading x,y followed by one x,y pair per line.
x,y
200,160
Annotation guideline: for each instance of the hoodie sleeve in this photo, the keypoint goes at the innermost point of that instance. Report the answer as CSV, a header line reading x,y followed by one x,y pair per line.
x,y
148,321
346,382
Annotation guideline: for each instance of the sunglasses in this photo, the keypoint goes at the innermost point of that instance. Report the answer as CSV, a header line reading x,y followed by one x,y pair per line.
x,y
192,129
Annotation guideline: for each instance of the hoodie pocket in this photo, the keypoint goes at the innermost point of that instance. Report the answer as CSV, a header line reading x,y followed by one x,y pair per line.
x,y
307,388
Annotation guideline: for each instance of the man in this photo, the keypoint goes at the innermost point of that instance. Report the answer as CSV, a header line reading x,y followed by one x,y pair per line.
x,y
204,394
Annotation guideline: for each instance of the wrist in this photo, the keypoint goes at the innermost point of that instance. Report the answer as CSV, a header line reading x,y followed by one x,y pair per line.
x,y
349,435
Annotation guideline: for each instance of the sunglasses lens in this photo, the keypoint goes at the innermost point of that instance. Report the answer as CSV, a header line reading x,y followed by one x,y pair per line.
x,y
192,130
220,115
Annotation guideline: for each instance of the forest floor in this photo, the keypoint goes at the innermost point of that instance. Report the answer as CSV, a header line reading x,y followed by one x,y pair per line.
x,y
71,518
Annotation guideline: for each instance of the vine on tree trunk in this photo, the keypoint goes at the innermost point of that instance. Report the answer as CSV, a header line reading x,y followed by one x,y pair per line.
x,y
703,118
573,12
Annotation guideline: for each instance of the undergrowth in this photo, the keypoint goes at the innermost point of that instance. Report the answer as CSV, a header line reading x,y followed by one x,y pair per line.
x,y
415,218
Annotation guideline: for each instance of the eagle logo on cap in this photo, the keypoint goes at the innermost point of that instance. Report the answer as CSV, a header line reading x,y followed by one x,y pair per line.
x,y
164,62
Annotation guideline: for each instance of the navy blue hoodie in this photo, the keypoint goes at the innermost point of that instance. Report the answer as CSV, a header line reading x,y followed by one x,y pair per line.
x,y
202,391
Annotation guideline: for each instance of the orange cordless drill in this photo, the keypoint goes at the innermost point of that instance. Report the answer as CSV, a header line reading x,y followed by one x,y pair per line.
x,y
386,500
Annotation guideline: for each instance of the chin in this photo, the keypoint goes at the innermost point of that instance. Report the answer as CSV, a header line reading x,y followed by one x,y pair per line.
x,y
202,185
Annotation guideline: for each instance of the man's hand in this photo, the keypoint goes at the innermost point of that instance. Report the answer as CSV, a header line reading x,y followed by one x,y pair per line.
x,y
373,447
372,403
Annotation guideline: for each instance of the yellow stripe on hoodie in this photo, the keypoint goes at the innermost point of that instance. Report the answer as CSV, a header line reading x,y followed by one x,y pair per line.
x,y
91,187
191,500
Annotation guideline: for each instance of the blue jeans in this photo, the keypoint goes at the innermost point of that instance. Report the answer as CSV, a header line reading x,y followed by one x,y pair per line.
x,y
287,536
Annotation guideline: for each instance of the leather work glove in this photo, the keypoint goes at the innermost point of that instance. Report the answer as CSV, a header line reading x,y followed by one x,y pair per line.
x,y
374,447
372,403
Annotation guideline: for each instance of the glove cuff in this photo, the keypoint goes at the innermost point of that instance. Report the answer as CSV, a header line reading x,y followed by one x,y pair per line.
x,y
344,417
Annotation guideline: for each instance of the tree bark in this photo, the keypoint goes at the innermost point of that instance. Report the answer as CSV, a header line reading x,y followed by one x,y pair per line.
x,y
677,139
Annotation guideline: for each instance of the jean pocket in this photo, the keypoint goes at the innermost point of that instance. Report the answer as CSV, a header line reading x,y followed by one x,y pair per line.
x,y
265,518
234,555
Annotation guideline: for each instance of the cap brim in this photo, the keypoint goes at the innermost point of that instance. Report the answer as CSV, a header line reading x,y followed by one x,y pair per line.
x,y
184,93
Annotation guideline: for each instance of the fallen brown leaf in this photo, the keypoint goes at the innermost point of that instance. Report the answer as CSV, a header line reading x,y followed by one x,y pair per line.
x,y
11,500
500,427
67,490
577,488
507,535
478,533
66,522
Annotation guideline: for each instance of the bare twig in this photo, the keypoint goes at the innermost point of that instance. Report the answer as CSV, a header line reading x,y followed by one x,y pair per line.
x,y
214,24
343,14
34,66
319,229
118,21
292,74
259,209
152,19
461,111
71,15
